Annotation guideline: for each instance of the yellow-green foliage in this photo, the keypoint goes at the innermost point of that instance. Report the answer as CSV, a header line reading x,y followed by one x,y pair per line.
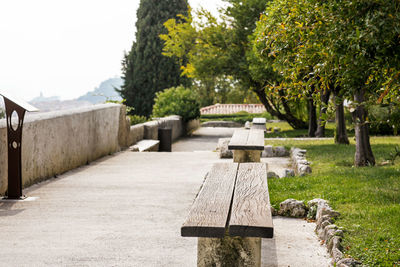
x,y
176,101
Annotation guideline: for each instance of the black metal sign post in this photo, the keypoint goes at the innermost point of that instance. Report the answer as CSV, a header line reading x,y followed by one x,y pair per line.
x,y
17,108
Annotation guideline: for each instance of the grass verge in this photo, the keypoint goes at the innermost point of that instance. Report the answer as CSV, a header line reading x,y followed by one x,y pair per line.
x,y
368,198
240,117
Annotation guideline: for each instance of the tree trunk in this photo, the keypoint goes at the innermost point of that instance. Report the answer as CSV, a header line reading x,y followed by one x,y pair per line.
x,y
363,155
312,117
340,131
288,116
322,110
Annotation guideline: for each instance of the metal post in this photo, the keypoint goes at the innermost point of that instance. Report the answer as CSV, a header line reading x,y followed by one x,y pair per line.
x,y
14,142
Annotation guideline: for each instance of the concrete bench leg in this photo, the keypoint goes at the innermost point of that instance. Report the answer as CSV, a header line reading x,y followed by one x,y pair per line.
x,y
229,251
246,155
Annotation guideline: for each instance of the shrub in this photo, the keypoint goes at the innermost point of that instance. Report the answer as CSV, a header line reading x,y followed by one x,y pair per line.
x,y
136,119
384,119
176,101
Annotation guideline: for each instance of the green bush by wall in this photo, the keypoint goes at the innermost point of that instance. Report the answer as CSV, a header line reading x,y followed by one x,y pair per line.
x,y
176,101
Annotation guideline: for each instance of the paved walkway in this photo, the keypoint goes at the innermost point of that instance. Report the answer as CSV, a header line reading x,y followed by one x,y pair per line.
x,y
126,210
204,139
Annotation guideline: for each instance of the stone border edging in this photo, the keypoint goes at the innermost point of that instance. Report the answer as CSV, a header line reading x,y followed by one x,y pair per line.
x,y
301,165
274,151
329,233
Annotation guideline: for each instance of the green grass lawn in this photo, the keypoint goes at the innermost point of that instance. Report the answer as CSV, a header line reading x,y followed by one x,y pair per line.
x,y
288,132
240,117
368,198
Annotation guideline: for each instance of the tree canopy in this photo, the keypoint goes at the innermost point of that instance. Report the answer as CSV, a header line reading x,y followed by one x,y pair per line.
x,y
297,53
145,70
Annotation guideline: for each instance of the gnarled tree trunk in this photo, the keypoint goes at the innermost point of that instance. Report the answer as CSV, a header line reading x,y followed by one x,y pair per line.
x,y
312,117
288,116
340,131
363,155
322,110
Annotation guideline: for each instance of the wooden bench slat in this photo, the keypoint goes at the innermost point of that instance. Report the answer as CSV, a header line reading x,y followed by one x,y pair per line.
x,y
251,213
238,139
256,139
247,140
259,121
208,215
147,145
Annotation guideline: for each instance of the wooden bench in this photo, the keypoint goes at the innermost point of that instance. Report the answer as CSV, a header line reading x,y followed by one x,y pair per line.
x,y
247,145
146,145
230,215
259,124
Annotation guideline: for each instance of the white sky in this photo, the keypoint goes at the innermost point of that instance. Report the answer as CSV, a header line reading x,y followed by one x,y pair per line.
x,y
65,47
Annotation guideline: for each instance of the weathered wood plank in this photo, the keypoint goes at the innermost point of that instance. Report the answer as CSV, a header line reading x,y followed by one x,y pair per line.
x,y
247,140
146,145
209,213
251,213
239,139
256,139
259,121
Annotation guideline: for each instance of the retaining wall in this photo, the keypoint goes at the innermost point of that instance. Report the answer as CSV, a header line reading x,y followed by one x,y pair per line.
x,y
55,142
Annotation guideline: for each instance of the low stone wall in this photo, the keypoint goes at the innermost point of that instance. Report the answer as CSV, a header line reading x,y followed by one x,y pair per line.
x,y
136,133
149,130
55,142
192,125
175,123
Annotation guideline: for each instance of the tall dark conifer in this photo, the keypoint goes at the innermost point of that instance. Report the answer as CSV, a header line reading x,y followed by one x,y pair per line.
x,y
145,70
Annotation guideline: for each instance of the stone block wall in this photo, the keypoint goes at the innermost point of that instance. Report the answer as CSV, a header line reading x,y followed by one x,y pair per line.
x,y
55,142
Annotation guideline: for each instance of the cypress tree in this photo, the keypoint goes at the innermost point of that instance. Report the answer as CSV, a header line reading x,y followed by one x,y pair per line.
x,y
145,70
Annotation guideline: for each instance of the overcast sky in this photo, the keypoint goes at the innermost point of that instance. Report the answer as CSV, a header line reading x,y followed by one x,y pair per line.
x,y
65,47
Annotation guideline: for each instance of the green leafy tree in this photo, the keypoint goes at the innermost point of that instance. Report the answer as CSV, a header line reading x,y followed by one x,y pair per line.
x,y
177,101
349,47
361,44
221,48
145,70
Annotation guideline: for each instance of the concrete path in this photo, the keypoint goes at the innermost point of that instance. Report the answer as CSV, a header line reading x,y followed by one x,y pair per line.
x,y
204,139
126,210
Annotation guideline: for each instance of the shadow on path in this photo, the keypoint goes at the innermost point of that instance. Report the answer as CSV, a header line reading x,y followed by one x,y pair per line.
x,y
203,139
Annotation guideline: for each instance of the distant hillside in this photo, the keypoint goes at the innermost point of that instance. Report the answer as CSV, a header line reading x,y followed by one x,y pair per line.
x,y
45,106
101,94
42,98
105,91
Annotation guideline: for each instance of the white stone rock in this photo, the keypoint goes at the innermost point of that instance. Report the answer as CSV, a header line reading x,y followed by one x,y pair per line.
x,y
222,147
272,175
292,208
280,151
273,211
267,152
347,262
325,209
303,162
277,130
289,173
315,201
